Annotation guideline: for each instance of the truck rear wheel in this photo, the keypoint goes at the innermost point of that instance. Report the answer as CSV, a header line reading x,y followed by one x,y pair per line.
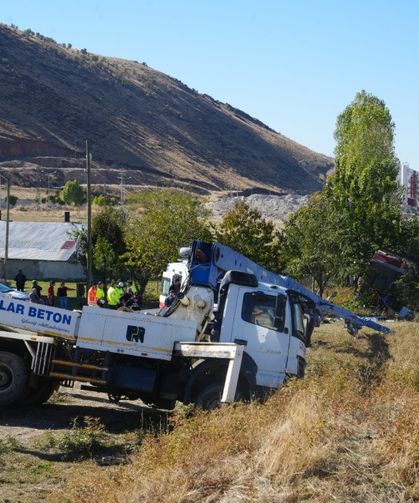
x,y
13,378
39,394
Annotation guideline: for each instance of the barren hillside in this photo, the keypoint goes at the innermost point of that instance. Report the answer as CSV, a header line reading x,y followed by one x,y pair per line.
x,y
141,122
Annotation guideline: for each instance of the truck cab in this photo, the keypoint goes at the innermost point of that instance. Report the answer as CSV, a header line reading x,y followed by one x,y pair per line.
x,y
271,328
268,322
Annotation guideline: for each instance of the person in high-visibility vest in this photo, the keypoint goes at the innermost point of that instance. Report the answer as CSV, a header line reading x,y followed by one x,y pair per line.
x,y
130,284
100,294
119,291
92,295
112,296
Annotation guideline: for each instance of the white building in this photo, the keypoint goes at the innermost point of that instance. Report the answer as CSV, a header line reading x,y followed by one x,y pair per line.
x,y
43,250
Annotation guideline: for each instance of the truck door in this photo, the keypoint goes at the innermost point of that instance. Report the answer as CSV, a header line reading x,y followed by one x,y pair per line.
x,y
302,325
259,323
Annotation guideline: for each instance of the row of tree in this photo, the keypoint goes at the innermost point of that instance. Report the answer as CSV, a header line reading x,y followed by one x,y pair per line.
x,y
74,194
330,239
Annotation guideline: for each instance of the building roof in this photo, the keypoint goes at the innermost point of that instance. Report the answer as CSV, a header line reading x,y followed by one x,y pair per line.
x,y
39,240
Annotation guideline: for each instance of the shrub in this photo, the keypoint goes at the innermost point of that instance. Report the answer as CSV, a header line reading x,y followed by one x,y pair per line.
x,y
83,440
12,200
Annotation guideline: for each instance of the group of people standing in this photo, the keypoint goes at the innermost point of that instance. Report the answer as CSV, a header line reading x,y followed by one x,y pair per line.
x,y
54,297
117,295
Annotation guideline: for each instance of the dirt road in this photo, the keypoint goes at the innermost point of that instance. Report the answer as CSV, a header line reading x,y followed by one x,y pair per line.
x,y
44,447
24,424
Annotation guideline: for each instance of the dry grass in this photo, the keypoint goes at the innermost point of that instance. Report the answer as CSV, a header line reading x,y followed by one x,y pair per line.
x,y
348,432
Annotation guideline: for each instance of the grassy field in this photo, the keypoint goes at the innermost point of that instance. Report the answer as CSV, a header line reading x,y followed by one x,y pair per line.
x,y
348,432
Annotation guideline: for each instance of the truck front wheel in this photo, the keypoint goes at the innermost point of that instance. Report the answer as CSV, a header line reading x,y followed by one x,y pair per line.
x,y
13,377
209,398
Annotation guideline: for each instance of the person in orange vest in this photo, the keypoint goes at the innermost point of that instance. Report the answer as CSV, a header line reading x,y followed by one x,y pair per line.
x,y
91,295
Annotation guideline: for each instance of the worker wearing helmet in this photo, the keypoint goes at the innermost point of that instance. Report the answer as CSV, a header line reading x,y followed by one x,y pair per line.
x,y
120,290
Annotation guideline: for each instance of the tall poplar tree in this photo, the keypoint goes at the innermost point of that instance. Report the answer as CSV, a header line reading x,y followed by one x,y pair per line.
x,y
364,191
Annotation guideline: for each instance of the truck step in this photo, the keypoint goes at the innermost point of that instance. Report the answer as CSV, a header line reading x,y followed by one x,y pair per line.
x,y
68,363
66,377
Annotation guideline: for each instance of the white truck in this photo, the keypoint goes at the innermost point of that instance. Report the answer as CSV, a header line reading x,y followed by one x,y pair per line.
x,y
256,337
174,269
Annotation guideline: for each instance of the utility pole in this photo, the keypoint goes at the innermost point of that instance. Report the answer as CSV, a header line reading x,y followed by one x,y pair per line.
x,y
6,241
89,218
121,200
38,189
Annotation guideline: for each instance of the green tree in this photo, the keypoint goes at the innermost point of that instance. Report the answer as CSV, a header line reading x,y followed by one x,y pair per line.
x,y
363,192
99,200
162,222
109,224
73,193
308,243
12,200
105,259
246,231
108,238
104,200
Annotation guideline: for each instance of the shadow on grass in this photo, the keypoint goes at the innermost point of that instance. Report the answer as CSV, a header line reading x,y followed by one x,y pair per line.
x,y
372,370
103,455
115,419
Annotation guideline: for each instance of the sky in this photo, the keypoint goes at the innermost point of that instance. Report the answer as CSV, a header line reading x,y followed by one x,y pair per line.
x,y
293,64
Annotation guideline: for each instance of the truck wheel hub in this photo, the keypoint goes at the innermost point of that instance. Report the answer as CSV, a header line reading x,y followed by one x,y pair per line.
x,y
6,377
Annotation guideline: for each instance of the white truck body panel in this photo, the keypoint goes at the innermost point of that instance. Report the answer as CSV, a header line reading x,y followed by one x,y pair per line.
x,y
39,317
135,334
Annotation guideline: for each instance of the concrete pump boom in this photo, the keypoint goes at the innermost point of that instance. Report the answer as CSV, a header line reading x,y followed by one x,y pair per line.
x,y
210,261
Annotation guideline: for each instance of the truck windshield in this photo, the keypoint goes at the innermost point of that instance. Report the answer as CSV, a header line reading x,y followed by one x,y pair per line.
x,y
165,285
264,310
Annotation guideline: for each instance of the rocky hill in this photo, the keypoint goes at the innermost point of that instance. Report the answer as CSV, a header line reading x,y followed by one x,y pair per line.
x,y
142,123
275,208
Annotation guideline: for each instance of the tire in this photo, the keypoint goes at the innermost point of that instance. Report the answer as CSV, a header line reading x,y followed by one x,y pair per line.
x,y
209,398
13,378
41,393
